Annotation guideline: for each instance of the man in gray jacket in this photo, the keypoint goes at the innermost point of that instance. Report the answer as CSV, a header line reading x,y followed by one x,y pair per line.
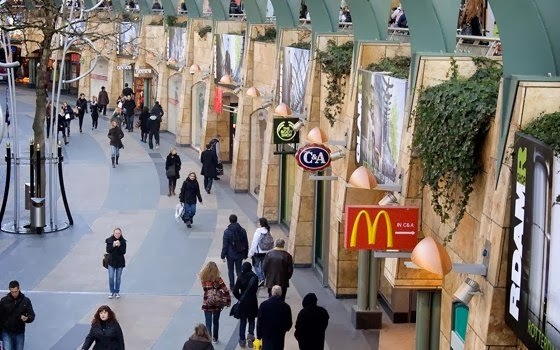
x,y
278,268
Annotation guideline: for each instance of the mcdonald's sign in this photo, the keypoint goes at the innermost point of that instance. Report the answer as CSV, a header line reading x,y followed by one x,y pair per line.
x,y
378,227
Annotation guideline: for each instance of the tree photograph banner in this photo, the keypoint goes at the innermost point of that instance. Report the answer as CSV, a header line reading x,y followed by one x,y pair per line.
x,y
128,38
293,77
380,110
176,46
229,56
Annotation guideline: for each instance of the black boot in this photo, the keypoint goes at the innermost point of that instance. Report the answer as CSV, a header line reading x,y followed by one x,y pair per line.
x,y
169,191
113,161
117,160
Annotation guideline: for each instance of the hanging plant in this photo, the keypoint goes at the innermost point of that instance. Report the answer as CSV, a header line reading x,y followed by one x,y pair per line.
x,y
336,63
398,66
202,31
269,35
451,122
301,45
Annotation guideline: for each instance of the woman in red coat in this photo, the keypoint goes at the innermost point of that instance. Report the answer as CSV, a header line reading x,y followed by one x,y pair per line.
x,y
216,297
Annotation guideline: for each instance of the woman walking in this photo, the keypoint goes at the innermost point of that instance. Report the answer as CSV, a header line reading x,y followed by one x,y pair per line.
x,y
115,135
261,245
200,340
245,291
144,129
62,124
172,169
116,248
94,109
105,331
216,297
190,192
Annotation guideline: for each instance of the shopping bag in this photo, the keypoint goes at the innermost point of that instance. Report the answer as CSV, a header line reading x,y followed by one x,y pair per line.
x,y
179,209
257,344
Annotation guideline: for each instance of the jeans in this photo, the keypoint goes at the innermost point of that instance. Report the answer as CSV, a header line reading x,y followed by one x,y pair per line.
x,y
208,183
212,318
13,341
152,134
243,325
130,122
189,212
230,266
115,279
103,108
258,265
114,151
94,119
80,120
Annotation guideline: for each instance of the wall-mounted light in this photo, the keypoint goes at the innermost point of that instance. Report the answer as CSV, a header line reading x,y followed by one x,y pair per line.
x,y
226,80
283,110
237,90
337,155
317,135
388,199
194,68
363,178
253,92
467,290
298,125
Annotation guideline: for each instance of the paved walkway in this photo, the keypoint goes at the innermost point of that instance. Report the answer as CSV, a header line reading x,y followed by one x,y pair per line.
x,y
161,296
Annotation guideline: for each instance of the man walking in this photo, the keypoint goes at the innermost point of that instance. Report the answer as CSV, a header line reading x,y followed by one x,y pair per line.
x,y
274,319
103,100
215,146
154,123
15,311
209,163
311,324
278,267
81,106
127,91
235,248
128,108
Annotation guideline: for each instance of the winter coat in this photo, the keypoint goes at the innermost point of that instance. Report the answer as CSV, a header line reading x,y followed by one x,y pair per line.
x,y
154,123
175,161
11,311
115,135
61,122
278,268
190,191
197,343
228,246
144,116
81,105
255,249
209,163
69,110
157,110
94,108
209,285
106,335
103,98
249,306
311,324
127,91
273,321
129,106
116,254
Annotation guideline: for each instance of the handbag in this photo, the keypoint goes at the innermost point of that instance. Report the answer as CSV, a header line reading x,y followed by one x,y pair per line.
x,y
106,261
67,116
179,209
219,169
235,308
217,298
171,171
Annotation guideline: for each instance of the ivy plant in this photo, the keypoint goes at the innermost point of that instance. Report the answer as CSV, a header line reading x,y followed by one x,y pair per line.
x,y
301,45
336,63
451,122
398,66
202,31
269,35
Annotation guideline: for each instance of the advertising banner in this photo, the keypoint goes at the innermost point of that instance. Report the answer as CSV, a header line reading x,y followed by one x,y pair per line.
x,y
218,99
128,38
293,80
381,228
228,56
533,283
99,77
177,46
381,101
173,96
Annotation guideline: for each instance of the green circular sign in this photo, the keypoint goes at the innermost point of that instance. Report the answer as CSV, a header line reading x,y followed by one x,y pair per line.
x,y
285,131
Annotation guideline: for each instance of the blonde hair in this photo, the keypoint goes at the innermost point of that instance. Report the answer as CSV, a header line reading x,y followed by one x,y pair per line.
x,y
209,272
200,331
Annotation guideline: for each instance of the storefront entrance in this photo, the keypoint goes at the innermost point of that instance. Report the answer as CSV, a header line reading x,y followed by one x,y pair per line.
x,y
197,113
173,96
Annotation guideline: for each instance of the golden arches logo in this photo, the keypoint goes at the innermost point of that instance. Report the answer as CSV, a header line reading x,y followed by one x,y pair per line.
x,y
372,228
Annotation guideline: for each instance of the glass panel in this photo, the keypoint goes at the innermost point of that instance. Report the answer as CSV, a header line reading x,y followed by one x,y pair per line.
x,y
319,208
258,127
460,319
288,186
197,114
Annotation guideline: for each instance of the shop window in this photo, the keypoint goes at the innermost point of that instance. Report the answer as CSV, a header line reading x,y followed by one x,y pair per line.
x,y
459,320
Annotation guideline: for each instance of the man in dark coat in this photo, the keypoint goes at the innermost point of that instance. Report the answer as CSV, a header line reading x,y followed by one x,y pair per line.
x,y
245,290
127,91
81,106
311,324
103,100
128,108
154,124
274,319
278,267
15,311
235,247
209,163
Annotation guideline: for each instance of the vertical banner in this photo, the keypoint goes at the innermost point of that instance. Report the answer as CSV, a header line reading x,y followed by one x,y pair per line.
x,y
533,283
218,99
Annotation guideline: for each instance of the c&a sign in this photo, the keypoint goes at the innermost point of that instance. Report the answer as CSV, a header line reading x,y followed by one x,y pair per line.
x,y
378,227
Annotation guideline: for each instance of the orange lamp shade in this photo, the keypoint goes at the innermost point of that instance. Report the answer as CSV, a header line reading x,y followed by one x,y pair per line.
x,y
431,256
195,68
226,79
253,92
362,177
317,135
283,110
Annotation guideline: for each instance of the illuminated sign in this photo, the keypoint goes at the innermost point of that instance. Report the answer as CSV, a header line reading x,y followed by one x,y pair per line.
x,y
284,132
377,227
313,157
124,67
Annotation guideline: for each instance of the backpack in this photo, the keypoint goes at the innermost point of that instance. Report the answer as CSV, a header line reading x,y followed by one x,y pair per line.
x,y
240,244
266,242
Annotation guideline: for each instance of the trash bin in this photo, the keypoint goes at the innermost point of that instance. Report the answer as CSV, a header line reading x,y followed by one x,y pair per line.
x,y
38,214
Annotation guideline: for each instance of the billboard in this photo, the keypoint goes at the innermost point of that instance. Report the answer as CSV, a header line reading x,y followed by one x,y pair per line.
x,y
378,227
380,110
228,56
533,283
293,77
176,47
128,38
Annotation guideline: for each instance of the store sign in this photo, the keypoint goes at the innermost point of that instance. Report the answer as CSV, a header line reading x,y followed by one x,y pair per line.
x,y
313,157
533,282
284,130
143,72
218,99
377,227
124,67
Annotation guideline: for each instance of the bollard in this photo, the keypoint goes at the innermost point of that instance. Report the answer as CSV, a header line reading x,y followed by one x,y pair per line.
x,y
38,214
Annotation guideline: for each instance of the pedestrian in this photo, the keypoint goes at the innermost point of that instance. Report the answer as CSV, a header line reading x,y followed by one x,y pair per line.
x,y
278,267
235,248
215,142
128,110
154,124
216,297
274,319
245,290
105,331
50,116
262,243
172,169
115,135
15,311
209,163
144,129
94,109
126,91
116,248
311,324
68,116
199,340
81,107
103,100
190,192
62,123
